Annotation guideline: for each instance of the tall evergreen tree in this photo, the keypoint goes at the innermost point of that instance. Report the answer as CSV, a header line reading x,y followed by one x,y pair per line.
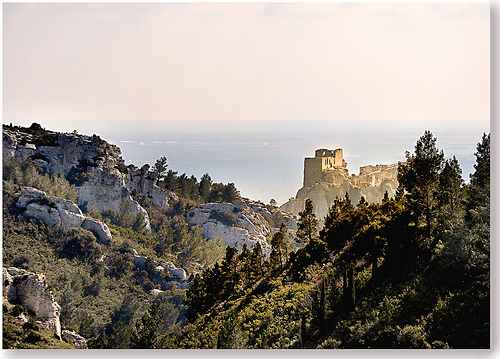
x,y
149,332
229,271
419,176
160,167
205,186
306,228
279,248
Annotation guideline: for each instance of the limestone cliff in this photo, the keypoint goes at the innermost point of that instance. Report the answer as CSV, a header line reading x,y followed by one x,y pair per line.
x,y
31,290
324,182
245,222
55,212
235,224
92,164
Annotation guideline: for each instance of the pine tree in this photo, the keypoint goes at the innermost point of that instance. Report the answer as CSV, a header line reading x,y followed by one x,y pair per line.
x,y
149,333
205,186
160,167
278,248
229,272
257,261
419,176
306,228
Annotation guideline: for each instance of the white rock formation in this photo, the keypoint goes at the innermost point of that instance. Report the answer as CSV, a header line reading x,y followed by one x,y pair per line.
x,y
248,226
32,291
48,215
107,186
28,195
78,341
55,212
155,292
100,229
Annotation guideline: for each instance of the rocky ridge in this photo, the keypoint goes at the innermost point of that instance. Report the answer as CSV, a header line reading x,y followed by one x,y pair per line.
x,y
92,164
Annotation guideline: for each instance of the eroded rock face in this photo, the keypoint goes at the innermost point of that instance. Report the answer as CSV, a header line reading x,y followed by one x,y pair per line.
x,y
78,341
32,291
236,224
46,214
55,212
108,180
100,229
143,181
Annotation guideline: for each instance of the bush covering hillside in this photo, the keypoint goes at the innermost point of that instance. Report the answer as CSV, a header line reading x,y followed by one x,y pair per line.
x,y
410,272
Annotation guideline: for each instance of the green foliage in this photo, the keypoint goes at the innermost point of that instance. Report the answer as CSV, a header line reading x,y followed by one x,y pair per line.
x,y
419,176
29,173
77,242
279,248
160,167
202,192
225,218
30,335
373,278
306,227
149,330
123,217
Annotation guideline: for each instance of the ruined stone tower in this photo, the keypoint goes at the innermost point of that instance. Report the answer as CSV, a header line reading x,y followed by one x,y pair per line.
x,y
323,163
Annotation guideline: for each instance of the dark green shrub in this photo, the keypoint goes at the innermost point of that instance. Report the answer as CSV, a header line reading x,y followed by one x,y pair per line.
x,y
225,218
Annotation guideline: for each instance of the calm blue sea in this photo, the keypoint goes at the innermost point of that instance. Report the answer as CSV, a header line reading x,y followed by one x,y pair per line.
x,y
267,164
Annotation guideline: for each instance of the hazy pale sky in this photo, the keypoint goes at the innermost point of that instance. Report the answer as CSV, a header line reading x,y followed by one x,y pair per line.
x,y
131,66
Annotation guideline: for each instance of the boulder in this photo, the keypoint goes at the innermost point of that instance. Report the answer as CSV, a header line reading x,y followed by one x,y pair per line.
x,y
155,292
139,261
70,219
29,194
48,215
32,291
100,229
7,280
178,273
183,285
78,341
54,212
66,205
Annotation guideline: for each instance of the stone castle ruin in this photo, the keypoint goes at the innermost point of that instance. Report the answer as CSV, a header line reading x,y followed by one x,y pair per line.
x,y
326,177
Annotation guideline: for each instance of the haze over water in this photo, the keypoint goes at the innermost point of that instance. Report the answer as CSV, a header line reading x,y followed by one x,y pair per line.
x,y
267,164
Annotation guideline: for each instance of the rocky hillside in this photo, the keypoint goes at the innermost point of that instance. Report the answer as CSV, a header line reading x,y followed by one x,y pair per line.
x,y
93,165
245,222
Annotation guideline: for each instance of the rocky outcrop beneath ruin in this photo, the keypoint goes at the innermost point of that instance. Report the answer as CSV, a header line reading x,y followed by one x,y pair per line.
x,y
235,223
55,212
31,290
95,166
371,183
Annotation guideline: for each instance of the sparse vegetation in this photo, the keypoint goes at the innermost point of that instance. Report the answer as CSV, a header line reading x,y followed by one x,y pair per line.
x,y
410,272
